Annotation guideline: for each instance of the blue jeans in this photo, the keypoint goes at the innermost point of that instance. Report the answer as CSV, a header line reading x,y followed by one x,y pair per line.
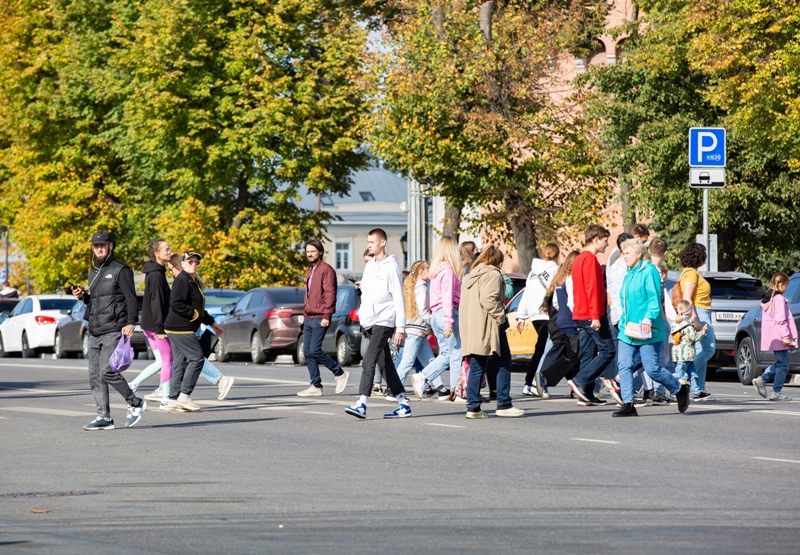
x,y
705,349
592,366
313,334
477,368
449,350
776,374
649,355
686,370
416,347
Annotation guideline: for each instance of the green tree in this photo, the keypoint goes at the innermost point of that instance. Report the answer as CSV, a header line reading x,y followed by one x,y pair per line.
x,y
468,105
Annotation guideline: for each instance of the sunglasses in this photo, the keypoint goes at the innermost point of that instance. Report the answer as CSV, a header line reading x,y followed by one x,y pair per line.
x,y
193,262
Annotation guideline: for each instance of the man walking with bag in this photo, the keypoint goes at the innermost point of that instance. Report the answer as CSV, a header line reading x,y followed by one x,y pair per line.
x,y
111,312
320,304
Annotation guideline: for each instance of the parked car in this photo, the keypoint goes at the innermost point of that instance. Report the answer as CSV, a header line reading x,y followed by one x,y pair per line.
x,y
733,294
72,337
6,306
264,319
522,344
343,336
750,360
216,299
30,328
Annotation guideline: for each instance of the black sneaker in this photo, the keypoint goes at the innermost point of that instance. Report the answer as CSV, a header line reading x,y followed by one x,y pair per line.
x,y
683,398
99,423
592,402
702,396
662,400
443,393
627,409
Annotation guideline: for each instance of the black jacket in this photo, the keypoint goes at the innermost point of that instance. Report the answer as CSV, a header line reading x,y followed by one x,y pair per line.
x,y
112,301
156,297
186,306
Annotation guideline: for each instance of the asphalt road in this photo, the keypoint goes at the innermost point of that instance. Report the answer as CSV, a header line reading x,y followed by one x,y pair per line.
x,y
268,472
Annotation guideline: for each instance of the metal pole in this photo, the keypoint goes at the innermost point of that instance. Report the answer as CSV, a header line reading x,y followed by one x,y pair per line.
x,y
8,276
705,226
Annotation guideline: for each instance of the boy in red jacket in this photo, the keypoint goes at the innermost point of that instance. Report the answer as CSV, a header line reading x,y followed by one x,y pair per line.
x,y
589,313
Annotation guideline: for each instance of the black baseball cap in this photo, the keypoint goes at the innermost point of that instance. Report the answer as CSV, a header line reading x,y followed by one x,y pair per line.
x,y
102,238
187,255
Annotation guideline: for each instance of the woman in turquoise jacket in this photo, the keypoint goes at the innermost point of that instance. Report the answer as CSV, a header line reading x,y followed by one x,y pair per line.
x,y
641,328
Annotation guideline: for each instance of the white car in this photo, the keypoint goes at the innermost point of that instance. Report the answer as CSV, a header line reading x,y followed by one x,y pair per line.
x,y
31,326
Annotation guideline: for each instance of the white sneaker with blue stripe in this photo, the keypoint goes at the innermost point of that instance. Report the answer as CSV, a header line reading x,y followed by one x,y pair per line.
x,y
359,410
402,411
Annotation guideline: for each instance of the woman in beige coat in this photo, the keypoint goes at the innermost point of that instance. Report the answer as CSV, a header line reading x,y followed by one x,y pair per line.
x,y
483,332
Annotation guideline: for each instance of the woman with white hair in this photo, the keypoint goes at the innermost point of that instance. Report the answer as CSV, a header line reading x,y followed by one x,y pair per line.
x,y
641,328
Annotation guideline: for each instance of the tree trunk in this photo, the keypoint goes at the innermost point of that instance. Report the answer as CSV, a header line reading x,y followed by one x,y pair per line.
x,y
452,220
628,213
242,199
438,22
524,229
486,13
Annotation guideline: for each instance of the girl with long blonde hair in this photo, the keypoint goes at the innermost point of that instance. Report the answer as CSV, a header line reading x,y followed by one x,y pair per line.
x,y
418,317
445,296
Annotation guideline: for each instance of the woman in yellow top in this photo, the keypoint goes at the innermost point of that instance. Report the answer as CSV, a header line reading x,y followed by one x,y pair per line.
x,y
696,289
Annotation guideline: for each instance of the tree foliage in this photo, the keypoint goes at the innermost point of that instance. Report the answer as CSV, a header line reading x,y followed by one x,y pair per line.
x,y
187,119
468,105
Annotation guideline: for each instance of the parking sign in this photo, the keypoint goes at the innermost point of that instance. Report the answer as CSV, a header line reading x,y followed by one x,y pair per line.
x,y
707,147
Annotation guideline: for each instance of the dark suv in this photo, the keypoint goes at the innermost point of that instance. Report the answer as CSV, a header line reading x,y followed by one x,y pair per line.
x,y
343,337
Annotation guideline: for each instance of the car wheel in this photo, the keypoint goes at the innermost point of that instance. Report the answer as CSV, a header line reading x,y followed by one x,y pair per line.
x,y
746,362
3,353
257,354
58,347
344,356
299,354
219,349
27,352
85,345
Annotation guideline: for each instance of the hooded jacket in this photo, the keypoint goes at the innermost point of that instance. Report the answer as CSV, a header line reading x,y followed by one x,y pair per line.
x,y
539,279
777,323
382,295
482,311
111,303
186,306
156,297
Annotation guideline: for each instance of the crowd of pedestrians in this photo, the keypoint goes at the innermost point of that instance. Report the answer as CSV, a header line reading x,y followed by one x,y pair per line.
x,y
611,327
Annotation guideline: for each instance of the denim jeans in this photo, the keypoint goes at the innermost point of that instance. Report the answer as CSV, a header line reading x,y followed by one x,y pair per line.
x,y
477,367
776,374
705,349
416,347
593,366
449,350
313,334
649,355
686,370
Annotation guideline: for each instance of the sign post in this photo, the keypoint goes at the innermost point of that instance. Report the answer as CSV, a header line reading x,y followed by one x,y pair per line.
x,y
707,159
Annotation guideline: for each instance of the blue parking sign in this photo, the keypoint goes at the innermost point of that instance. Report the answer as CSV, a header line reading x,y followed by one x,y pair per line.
x,y
707,147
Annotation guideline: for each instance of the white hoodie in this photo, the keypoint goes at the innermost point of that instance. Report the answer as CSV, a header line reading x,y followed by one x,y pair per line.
x,y
539,279
382,295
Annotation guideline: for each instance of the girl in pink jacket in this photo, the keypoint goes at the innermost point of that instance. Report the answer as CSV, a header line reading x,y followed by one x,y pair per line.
x,y
778,334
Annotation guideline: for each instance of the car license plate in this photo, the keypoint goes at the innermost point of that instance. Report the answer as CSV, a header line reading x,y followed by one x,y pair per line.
x,y
729,316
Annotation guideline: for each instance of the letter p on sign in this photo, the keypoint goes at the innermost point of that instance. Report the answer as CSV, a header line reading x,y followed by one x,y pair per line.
x,y
707,147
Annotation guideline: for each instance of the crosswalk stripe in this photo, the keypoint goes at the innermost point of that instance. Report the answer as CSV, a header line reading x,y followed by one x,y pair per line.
x,y
53,412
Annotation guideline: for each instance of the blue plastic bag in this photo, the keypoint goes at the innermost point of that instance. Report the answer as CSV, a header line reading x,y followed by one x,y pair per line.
x,y
122,357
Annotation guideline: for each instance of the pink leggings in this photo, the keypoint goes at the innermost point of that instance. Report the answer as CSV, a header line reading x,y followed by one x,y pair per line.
x,y
165,350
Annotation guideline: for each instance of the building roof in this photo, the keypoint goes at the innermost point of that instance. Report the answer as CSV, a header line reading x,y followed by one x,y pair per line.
x,y
374,190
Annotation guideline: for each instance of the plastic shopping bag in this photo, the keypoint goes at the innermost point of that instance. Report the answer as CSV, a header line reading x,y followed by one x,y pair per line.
x,y
460,389
122,357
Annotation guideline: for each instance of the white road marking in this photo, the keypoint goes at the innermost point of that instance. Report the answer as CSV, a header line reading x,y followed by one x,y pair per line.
x,y
49,411
270,380
43,391
26,365
281,408
776,460
442,425
594,440
322,413
783,412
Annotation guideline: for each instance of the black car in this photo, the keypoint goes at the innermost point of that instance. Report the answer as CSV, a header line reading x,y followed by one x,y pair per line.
x,y
72,337
343,336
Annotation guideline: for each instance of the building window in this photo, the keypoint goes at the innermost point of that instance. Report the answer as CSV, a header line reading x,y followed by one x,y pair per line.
x,y
366,196
344,256
325,199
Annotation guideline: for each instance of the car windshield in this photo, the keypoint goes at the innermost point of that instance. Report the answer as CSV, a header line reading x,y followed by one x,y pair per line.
x,y
57,304
288,296
749,289
219,298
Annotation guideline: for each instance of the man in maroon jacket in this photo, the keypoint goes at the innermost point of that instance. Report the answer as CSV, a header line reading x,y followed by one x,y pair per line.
x,y
319,308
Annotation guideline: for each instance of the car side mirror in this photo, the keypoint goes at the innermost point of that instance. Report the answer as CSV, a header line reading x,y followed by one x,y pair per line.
x,y
226,309
5,314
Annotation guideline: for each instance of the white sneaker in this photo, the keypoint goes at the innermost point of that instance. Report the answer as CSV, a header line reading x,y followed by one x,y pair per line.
x,y
460,400
156,395
311,392
529,390
172,406
418,384
779,396
189,405
341,382
510,412
224,385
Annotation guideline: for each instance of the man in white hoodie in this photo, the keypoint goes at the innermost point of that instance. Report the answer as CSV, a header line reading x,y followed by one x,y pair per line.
x,y
382,315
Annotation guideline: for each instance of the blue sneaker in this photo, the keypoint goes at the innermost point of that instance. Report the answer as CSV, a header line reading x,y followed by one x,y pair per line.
x,y
359,410
402,411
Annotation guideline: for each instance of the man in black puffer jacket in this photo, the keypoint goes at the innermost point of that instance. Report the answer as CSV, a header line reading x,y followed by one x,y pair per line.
x,y
112,312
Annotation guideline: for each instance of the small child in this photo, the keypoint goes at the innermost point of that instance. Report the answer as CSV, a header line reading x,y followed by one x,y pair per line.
x,y
684,336
778,334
